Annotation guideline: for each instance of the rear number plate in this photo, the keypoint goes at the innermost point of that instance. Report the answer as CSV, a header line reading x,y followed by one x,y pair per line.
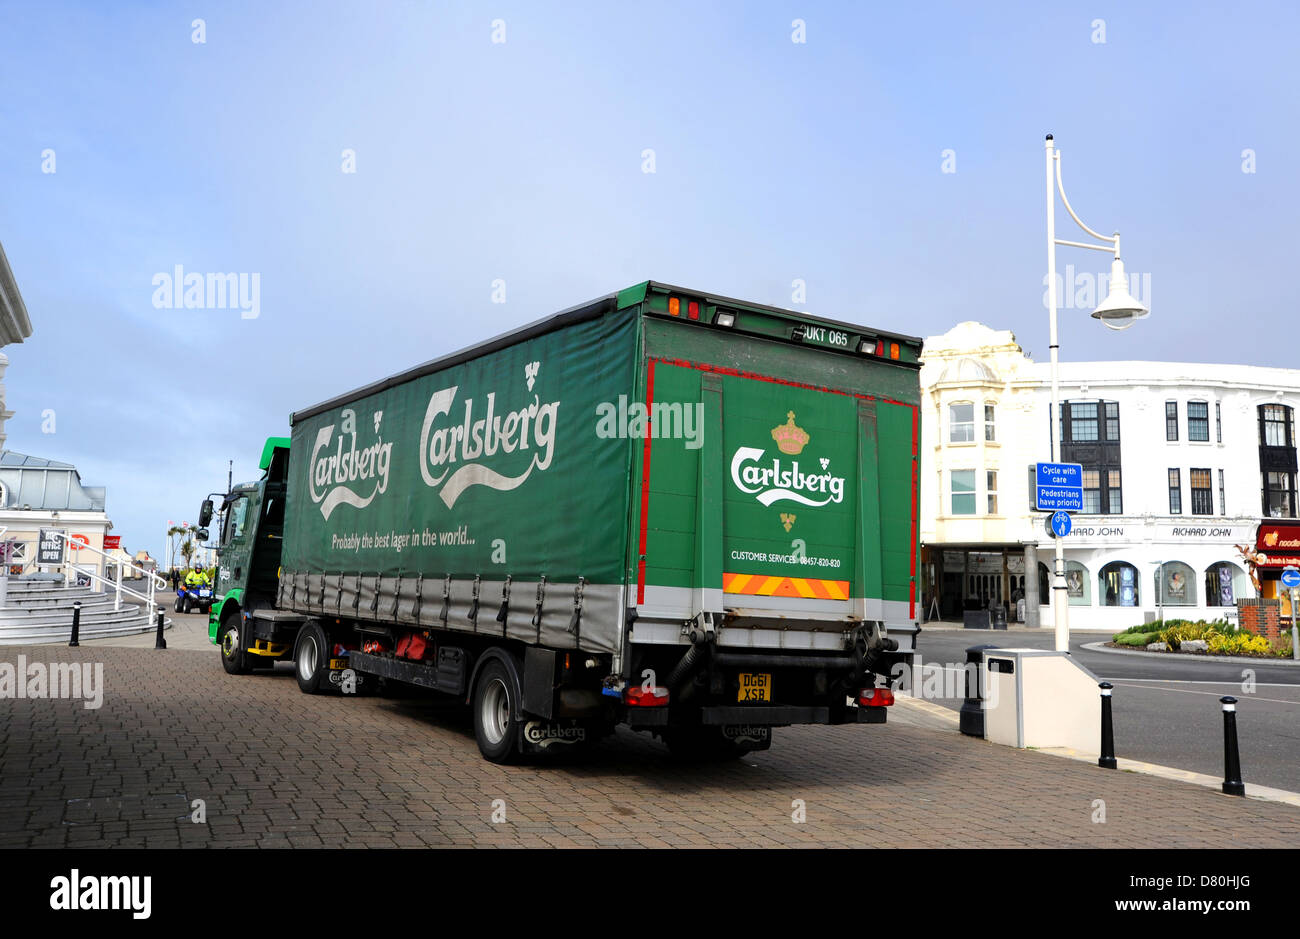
x,y
337,664
755,686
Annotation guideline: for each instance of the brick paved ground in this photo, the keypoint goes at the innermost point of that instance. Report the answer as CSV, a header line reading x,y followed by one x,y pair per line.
x,y
278,768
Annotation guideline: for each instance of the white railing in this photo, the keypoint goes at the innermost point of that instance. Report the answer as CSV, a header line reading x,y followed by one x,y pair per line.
x,y
154,580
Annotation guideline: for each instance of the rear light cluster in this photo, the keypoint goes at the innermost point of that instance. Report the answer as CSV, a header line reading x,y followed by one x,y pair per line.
x,y
639,696
692,308
879,347
875,697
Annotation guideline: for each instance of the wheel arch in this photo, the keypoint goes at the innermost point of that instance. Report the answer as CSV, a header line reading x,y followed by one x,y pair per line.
x,y
512,666
234,599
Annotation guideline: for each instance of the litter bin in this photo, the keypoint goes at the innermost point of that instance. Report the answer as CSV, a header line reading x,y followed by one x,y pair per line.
x,y
1039,698
998,616
972,709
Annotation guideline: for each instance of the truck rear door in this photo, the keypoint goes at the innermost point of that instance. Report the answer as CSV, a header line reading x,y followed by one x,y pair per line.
x,y
790,515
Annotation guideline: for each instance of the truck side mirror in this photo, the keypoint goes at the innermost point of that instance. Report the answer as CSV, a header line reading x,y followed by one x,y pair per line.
x,y
201,534
205,513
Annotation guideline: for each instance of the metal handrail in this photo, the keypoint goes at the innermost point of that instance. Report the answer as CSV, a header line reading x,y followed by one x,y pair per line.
x,y
155,580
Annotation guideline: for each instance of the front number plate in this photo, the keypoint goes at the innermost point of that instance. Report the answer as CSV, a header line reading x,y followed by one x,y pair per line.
x,y
755,686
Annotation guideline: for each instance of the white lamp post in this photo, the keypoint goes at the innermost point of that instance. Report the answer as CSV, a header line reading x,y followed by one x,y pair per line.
x,y
1118,311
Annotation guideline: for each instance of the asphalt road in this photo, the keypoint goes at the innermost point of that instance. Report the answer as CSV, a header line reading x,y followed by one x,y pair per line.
x,y
1167,711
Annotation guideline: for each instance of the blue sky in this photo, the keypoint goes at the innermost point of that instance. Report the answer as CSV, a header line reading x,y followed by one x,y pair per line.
x,y
522,160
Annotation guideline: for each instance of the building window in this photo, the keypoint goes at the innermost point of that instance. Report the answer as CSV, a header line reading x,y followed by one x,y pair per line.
x,y
1198,421
961,422
990,431
963,492
991,488
1175,493
1279,495
1175,584
1171,420
1277,460
1091,492
1083,421
1078,584
1202,493
1118,584
1218,421
1223,502
1090,437
1225,583
1276,426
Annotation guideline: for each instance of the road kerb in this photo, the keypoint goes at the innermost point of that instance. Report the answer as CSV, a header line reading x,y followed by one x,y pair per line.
x,y
1191,656
941,718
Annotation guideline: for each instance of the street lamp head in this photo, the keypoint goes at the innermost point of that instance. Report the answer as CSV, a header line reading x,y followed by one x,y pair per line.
x,y
1120,309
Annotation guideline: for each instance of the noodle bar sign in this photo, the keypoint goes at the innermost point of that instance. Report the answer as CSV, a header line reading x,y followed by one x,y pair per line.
x,y
1280,544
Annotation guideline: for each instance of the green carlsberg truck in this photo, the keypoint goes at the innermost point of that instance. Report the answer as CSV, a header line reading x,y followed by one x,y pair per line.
x,y
691,515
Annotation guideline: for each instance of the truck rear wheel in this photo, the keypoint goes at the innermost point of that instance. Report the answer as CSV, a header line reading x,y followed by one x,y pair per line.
x,y
310,659
233,658
496,702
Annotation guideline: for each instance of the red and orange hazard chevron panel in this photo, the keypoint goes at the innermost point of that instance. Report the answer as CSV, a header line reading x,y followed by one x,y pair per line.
x,y
764,586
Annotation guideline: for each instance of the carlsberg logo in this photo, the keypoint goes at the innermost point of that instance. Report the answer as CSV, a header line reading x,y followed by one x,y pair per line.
x,y
443,443
333,474
777,481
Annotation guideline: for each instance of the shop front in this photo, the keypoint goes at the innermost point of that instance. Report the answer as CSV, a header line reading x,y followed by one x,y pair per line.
x,y
965,578
1277,547
1125,572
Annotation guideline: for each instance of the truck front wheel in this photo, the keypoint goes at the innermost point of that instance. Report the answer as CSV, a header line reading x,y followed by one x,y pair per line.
x,y
310,661
233,658
496,702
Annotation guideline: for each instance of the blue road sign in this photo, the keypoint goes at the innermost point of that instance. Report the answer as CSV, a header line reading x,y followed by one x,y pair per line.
x,y
1291,577
1059,487
1061,524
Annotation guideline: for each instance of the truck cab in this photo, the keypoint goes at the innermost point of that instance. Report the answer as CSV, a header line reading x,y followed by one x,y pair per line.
x,y
252,534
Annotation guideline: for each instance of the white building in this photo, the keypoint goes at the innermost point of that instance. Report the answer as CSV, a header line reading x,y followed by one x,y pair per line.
x,y
1181,463
37,493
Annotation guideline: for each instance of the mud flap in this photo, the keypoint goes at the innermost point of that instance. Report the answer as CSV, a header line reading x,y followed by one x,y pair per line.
x,y
747,736
536,736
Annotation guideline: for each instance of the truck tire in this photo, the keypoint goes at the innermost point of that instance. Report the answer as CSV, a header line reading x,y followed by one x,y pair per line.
x,y
700,744
233,658
496,702
311,659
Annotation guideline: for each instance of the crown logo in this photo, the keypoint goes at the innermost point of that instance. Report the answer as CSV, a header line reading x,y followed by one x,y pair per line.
x,y
787,520
789,437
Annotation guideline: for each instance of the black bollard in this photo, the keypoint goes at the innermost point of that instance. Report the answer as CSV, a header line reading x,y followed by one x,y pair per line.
x,y
160,642
1107,760
76,624
1232,784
